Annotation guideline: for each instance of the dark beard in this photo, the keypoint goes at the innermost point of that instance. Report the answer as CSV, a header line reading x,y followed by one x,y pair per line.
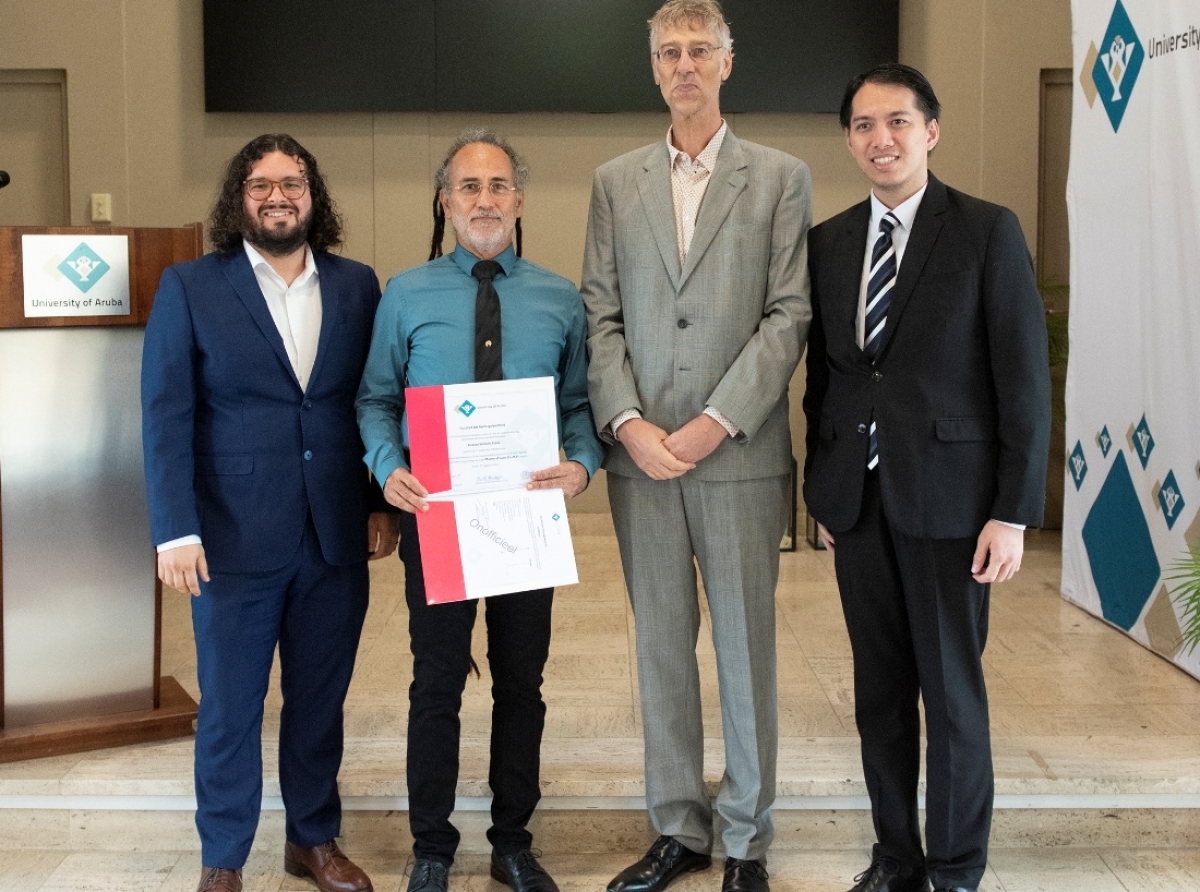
x,y
276,243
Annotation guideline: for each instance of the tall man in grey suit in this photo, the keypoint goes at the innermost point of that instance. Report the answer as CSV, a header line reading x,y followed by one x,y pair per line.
x,y
697,298
928,407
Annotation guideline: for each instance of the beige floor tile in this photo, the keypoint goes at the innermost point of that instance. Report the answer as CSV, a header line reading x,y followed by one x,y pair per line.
x,y
1053,870
27,871
1169,870
111,872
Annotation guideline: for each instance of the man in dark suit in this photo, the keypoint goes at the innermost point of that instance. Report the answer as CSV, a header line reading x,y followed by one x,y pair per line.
x,y
259,503
928,409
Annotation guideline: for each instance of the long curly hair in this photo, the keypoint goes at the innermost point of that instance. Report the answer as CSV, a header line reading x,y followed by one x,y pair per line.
x,y
228,218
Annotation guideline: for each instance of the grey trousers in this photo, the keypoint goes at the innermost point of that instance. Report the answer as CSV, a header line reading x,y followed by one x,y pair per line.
x,y
731,530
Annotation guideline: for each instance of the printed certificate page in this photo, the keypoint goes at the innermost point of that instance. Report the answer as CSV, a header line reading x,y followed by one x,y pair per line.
x,y
481,437
473,447
514,541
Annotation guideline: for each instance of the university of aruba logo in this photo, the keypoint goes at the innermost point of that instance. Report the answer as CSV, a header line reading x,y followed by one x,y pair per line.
x,y
83,267
1143,442
1077,465
1170,499
466,408
1112,71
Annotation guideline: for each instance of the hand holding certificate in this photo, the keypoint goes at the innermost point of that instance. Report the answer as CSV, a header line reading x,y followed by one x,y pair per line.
x,y
475,447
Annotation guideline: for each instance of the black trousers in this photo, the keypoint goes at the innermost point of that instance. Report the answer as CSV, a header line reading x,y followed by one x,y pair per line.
x,y
518,636
918,624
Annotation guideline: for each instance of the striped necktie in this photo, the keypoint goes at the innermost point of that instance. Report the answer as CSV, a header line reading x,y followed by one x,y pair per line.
x,y
880,280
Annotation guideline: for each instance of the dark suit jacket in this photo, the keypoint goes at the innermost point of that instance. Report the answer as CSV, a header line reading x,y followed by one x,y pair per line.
x,y
235,452
961,388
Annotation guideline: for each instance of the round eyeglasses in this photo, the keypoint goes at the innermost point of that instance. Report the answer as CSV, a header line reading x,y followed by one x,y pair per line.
x,y
496,188
670,55
260,189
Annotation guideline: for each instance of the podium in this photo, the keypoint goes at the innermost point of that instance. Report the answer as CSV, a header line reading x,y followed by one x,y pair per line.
x,y
80,602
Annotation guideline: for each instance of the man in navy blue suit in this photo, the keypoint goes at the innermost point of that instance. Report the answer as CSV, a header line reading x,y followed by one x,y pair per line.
x,y
259,504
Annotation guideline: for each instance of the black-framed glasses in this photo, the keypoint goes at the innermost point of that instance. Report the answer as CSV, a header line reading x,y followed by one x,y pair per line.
x,y
260,188
670,55
496,188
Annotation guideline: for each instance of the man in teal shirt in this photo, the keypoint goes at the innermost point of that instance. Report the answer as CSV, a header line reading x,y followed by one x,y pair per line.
x,y
426,333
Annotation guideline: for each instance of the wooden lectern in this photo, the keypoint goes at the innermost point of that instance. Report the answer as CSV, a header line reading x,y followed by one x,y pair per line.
x,y
80,602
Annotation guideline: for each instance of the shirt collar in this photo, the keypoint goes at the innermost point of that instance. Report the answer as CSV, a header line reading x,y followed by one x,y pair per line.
x,y
257,262
466,261
708,155
905,212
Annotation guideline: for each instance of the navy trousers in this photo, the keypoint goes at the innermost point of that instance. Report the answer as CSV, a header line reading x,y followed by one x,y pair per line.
x,y
518,642
314,612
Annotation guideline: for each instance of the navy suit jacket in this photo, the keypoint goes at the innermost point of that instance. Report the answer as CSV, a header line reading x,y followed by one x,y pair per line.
x,y
960,389
235,451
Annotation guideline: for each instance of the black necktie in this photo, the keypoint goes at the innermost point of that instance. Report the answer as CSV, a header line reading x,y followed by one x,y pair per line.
x,y
487,323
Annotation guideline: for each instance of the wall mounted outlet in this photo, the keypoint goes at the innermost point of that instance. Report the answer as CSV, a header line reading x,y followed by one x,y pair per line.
x,y
101,207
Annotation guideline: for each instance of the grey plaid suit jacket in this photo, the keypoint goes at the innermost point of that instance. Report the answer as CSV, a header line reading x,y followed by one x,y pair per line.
x,y
725,328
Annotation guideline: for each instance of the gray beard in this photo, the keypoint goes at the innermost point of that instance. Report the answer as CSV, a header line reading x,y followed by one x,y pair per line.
x,y
481,244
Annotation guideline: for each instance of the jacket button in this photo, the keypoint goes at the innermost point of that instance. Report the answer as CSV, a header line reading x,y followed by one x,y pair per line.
x,y
876,376
308,455
862,428
682,323
308,404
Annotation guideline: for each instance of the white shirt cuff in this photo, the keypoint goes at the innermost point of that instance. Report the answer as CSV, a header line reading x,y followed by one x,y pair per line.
x,y
1015,526
627,415
730,428
175,543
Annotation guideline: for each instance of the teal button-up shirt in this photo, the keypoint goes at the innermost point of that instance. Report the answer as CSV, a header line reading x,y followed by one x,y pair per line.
x,y
424,334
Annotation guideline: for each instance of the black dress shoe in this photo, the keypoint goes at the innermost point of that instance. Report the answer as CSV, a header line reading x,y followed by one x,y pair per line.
x,y
666,860
428,876
522,873
886,875
744,876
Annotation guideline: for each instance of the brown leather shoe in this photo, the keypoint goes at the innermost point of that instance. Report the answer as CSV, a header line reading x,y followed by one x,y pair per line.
x,y
219,879
327,867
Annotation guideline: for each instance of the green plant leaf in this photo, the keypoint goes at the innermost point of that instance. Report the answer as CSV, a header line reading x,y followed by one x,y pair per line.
x,y
1185,573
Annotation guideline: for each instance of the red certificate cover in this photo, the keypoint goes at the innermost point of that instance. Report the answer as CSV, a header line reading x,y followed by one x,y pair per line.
x,y
440,556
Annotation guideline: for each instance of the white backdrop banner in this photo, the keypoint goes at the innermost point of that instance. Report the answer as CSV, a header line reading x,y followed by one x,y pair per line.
x,y
1130,520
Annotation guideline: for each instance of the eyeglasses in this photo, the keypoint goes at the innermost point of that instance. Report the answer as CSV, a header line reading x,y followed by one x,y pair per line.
x,y
670,55
260,189
496,188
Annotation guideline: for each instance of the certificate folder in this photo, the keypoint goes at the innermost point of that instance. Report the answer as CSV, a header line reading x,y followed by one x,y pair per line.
x,y
473,447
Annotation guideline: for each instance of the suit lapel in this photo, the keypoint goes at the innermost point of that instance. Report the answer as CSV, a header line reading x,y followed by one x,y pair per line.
x,y
654,187
926,227
330,284
727,182
241,276
842,311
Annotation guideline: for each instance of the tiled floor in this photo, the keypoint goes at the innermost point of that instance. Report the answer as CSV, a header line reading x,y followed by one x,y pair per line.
x,y
1077,710
1011,870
